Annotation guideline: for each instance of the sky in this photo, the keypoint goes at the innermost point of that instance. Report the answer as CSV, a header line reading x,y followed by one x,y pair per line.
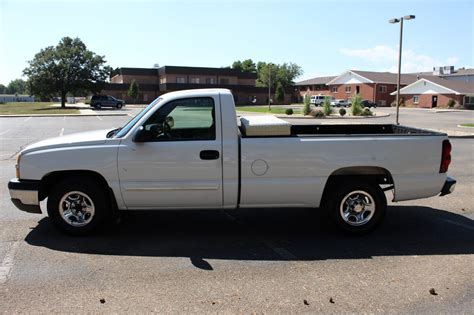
x,y
323,37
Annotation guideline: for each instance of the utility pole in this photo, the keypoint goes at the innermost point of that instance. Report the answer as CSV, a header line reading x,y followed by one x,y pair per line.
x,y
269,85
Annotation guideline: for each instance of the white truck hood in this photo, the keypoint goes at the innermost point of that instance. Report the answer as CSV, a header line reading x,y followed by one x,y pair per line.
x,y
87,138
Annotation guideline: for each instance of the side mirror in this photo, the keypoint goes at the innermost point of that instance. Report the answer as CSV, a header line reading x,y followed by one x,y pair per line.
x,y
142,135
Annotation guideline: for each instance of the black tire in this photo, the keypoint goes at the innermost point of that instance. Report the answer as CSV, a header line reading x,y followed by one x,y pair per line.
x,y
98,106
119,106
95,195
356,221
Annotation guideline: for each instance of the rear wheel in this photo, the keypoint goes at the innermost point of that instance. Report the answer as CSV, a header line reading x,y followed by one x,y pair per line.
x,y
358,207
98,106
119,106
78,206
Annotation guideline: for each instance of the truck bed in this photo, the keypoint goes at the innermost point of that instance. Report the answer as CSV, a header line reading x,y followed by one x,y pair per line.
x,y
348,130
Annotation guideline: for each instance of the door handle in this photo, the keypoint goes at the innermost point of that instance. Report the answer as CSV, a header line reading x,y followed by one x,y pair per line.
x,y
209,155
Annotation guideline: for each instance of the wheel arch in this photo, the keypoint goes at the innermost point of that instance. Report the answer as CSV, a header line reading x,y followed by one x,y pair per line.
x,y
50,179
374,174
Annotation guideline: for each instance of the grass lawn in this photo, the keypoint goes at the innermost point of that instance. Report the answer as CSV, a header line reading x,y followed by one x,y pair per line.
x,y
264,109
28,108
467,125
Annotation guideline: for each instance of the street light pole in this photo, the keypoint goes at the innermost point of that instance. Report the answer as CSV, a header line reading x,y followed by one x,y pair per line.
x,y
399,69
393,21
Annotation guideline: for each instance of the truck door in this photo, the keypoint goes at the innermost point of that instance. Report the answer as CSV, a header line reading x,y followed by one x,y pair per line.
x,y
180,162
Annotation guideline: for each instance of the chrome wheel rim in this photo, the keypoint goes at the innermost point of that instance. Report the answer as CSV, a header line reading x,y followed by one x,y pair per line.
x,y
357,208
76,208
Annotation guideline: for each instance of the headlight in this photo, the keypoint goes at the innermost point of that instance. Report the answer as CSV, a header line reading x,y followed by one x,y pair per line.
x,y
17,165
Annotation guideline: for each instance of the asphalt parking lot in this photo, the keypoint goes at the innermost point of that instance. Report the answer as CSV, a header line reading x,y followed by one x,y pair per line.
x,y
246,261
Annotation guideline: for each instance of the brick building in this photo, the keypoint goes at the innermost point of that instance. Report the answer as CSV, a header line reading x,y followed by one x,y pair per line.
x,y
433,91
380,87
314,86
156,81
370,85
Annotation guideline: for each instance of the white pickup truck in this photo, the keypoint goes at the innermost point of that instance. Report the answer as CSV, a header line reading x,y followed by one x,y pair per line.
x,y
187,151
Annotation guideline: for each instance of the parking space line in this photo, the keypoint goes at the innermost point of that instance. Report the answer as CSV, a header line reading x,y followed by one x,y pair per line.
x,y
131,115
2,133
98,117
7,263
61,132
26,119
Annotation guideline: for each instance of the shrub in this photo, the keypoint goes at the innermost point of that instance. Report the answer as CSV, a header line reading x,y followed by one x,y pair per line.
x,y
327,108
289,111
457,106
367,112
356,107
317,113
342,111
307,104
451,103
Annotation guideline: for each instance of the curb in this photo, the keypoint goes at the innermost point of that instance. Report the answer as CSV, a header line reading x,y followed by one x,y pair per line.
x,y
461,126
347,117
62,115
241,113
454,134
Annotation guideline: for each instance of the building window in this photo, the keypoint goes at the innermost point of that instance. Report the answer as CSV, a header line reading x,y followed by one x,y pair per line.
x,y
224,81
180,80
210,81
348,89
334,89
382,102
382,88
416,99
468,100
162,80
194,80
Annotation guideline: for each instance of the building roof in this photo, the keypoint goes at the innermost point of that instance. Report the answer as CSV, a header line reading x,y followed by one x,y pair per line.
x,y
315,81
185,71
457,72
207,71
457,87
386,77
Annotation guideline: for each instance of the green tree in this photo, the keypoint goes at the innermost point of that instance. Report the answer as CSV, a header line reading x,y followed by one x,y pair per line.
x,y
237,65
17,86
245,66
266,72
3,89
284,73
356,106
68,67
307,105
133,90
280,93
248,66
327,108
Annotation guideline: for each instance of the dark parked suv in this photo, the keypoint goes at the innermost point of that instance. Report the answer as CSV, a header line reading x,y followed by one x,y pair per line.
x,y
99,101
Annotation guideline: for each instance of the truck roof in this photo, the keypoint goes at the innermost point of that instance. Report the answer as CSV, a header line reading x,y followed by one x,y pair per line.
x,y
196,92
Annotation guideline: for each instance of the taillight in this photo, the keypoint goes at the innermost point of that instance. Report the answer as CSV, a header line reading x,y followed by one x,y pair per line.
x,y
445,157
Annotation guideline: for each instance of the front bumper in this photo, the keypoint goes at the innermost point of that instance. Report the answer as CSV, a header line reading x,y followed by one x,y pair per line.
x,y
24,194
448,186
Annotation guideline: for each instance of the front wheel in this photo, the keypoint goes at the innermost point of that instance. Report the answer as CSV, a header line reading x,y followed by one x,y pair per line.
x,y
77,206
119,106
358,207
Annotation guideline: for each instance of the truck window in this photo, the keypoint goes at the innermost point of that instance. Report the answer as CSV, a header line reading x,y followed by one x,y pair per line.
x,y
183,119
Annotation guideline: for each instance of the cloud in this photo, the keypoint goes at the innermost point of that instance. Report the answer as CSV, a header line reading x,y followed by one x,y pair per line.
x,y
386,59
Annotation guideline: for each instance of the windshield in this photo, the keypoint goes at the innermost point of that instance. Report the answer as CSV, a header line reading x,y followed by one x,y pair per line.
x,y
125,129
